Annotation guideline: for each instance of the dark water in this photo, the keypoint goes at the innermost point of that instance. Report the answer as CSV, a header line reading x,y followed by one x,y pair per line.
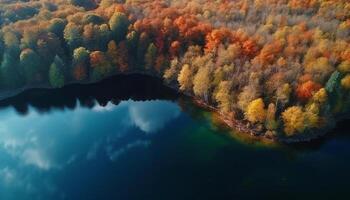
x,y
131,138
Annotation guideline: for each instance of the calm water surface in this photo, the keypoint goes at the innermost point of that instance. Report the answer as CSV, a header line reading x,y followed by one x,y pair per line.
x,y
130,138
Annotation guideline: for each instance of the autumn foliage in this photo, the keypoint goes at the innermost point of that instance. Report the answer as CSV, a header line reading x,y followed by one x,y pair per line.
x,y
280,65
306,90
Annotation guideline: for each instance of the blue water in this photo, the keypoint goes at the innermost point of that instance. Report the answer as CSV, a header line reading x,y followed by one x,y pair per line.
x,y
156,148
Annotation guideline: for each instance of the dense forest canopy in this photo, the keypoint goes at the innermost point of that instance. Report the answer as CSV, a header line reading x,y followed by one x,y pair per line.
x,y
282,66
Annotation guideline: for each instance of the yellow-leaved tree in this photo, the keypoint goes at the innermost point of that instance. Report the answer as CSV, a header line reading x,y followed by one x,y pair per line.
x,y
344,67
201,82
255,111
320,96
319,68
223,96
185,78
293,118
345,82
312,119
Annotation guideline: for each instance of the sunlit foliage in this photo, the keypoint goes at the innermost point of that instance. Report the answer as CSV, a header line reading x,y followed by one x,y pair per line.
x,y
256,111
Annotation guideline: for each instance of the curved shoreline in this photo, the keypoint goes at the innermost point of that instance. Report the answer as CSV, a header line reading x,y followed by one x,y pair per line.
x,y
234,124
241,127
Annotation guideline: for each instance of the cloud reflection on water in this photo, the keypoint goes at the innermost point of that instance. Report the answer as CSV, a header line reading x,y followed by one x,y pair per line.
x,y
49,142
148,116
152,116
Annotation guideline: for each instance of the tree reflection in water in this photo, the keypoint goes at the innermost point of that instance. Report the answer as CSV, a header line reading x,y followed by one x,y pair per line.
x,y
115,89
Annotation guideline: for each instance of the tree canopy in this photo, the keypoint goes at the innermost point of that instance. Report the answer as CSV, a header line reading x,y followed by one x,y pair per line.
x,y
278,65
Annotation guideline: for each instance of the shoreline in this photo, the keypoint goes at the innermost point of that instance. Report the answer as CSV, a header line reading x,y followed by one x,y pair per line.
x,y
242,128
234,124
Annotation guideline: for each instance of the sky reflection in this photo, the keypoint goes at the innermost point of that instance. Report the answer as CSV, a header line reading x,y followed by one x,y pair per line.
x,y
35,146
154,149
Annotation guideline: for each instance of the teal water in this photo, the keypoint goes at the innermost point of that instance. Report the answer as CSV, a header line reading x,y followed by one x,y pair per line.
x,y
145,142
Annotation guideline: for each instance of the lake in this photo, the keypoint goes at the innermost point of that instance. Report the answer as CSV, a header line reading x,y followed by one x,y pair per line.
x,y
129,137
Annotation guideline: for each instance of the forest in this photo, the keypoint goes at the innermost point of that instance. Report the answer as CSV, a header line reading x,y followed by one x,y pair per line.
x,y
281,67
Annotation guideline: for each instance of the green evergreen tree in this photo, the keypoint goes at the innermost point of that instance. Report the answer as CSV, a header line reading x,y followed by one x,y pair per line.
x,y
56,73
333,88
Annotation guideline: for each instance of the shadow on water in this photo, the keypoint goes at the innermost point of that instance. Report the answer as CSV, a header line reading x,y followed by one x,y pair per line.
x,y
341,132
114,89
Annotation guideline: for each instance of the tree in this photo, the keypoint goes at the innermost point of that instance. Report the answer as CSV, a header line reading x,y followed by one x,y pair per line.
x,y
118,54
30,65
104,36
80,54
112,52
119,25
306,90
227,55
57,26
219,76
201,83
73,36
132,41
87,4
320,96
255,111
80,63
91,18
345,82
294,120
11,43
29,39
271,122
320,69
332,85
216,37
2,47
283,93
175,48
56,73
48,46
344,67
80,72
142,46
9,76
150,56
269,52
248,94
312,119
161,64
333,88
107,3
185,78
223,96
122,57
100,65
90,36
171,73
